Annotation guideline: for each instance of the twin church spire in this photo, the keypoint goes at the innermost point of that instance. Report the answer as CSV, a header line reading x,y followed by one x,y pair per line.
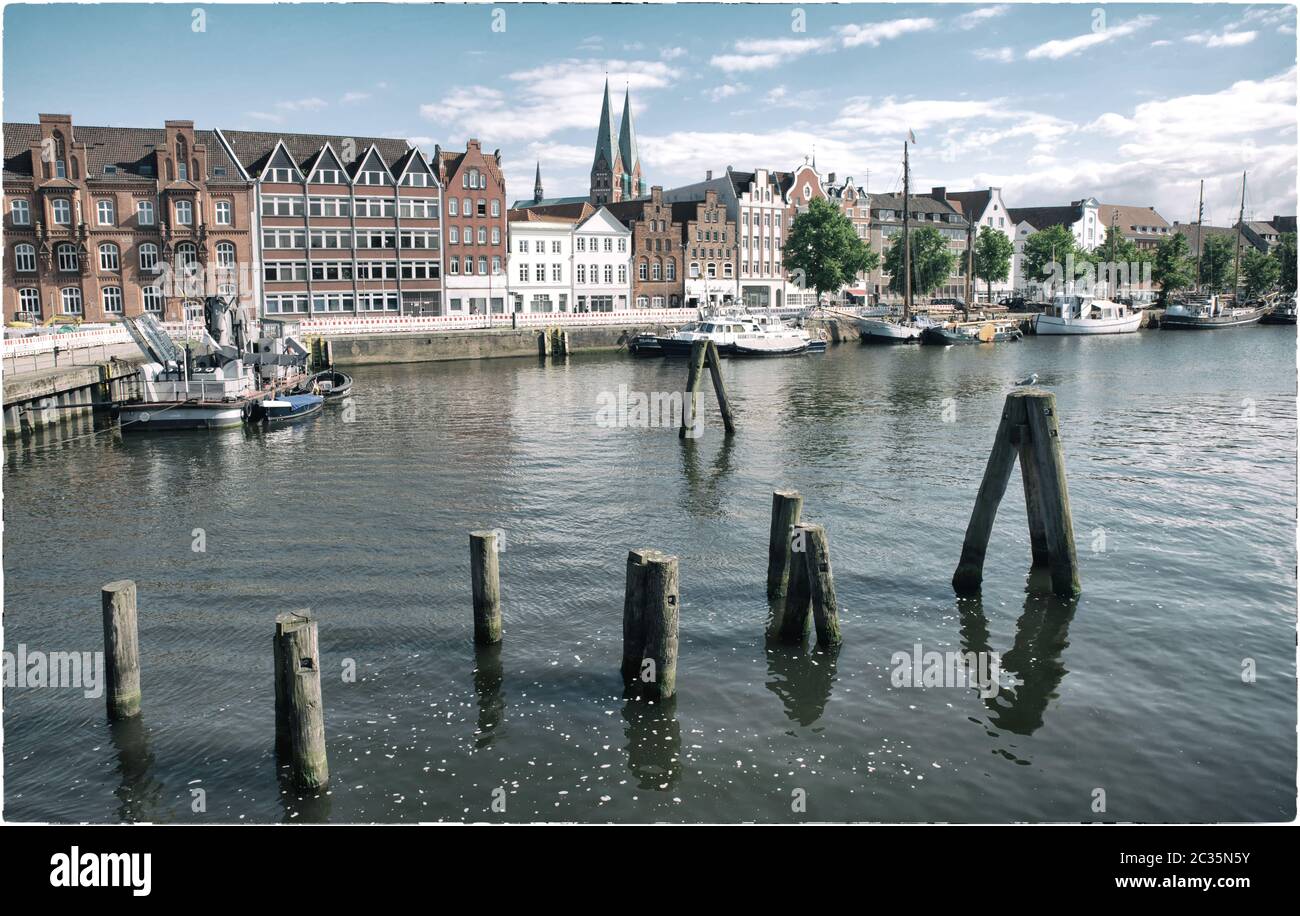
x,y
616,170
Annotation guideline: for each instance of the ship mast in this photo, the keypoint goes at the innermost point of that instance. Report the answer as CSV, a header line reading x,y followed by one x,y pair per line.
x,y
907,245
1200,217
1236,263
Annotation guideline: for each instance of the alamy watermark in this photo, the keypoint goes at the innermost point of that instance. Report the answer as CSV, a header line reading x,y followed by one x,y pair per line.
x,y
647,410
83,670
979,670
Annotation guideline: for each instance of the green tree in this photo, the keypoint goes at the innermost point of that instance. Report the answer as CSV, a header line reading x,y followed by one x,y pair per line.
x,y
1217,256
1259,272
1046,253
1285,254
993,251
823,251
1173,268
932,261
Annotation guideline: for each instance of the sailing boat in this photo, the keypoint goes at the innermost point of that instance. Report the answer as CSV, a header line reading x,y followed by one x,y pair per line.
x,y
1204,313
885,329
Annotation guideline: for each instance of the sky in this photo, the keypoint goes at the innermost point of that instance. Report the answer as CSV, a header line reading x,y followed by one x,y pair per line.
x,y
1128,103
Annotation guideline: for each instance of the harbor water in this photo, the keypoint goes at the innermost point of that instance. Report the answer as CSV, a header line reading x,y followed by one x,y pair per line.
x,y
1165,692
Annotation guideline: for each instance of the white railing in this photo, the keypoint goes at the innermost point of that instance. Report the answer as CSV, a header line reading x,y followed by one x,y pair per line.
x,y
399,324
46,341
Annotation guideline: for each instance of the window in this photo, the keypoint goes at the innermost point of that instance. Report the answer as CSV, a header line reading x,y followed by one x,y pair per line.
x,y
108,257
622,272
582,273
144,213
184,213
61,207
283,176
224,212
523,273
453,266
643,271
286,206
416,180
496,208
29,301
148,257
672,269
289,302
70,297
21,211
104,210
453,236
556,272
225,254
182,171
68,260
609,273
153,299
373,177
111,298
496,266
482,266
187,257
25,258
657,269
453,206
482,235
496,238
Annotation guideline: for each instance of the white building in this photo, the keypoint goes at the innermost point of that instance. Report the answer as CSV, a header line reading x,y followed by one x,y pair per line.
x,y
986,208
1081,217
539,269
602,258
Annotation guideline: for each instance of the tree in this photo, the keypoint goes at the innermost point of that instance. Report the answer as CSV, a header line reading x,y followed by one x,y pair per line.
x,y
1216,263
1047,252
1172,268
993,251
1259,272
824,249
1285,254
932,261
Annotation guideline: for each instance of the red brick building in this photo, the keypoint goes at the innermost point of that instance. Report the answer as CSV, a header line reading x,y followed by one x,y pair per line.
x,y
347,225
101,222
474,190
709,243
658,274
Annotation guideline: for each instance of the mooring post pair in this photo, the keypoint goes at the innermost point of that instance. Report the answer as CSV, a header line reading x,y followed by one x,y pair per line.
x,y
800,583
1029,432
705,352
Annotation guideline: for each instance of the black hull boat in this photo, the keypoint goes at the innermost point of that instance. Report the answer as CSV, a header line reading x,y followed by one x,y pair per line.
x,y
331,384
1227,318
288,408
947,337
1282,313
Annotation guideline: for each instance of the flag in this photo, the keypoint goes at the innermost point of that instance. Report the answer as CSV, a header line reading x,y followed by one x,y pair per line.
x,y
911,136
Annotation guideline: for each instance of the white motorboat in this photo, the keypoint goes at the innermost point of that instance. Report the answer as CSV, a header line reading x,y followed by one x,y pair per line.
x,y
1070,313
736,334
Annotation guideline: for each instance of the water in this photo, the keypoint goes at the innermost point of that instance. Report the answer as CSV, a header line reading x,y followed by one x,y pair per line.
x,y
1181,456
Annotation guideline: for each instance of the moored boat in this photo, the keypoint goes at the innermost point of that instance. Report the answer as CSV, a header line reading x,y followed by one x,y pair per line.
x,y
1282,312
330,384
1209,313
984,332
739,335
888,330
287,408
1070,314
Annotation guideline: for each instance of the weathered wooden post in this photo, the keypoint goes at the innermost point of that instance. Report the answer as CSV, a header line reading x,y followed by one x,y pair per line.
x,y
650,622
299,713
792,626
705,352
714,359
544,343
1028,430
786,506
485,577
121,649
559,342
821,585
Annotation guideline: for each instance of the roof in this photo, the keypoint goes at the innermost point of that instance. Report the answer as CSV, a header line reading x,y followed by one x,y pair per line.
x,y
254,147
1128,218
547,202
627,135
1207,232
1284,223
605,132
575,208
124,148
1046,217
533,216
917,203
970,204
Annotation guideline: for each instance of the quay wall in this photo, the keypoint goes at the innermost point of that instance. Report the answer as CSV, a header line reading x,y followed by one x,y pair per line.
x,y
424,347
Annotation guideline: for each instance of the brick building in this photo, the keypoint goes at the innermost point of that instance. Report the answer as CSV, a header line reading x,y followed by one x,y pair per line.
x,y
853,201
800,188
658,264
101,222
347,225
932,210
709,243
474,188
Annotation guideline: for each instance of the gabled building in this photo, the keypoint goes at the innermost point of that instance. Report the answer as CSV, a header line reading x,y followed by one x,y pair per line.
x,y
709,240
601,255
985,208
657,250
106,222
800,188
540,260
474,191
853,201
345,225
1142,226
933,210
1081,217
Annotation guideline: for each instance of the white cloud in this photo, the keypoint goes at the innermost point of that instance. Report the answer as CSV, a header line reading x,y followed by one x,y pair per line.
x,y
311,104
1065,47
765,53
1228,39
983,14
996,55
672,53
1160,43
873,33
350,97
724,91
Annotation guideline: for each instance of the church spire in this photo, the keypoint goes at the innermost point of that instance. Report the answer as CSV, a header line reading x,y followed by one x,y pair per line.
x,y
537,185
605,134
627,137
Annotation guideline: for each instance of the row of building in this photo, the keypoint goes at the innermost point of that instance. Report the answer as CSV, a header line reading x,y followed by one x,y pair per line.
x,y
102,222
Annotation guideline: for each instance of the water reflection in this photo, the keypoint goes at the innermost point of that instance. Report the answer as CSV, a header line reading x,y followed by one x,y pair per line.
x,y
139,792
654,743
309,806
703,486
488,678
802,679
1034,660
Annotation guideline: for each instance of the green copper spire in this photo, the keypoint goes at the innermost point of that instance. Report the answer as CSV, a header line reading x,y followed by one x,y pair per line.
x,y
605,137
627,136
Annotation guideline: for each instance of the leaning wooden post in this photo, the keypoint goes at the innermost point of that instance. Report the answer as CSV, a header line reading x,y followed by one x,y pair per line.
x,y
786,506
821,585
1054,497
299,713
793,625
650,620
714,359
691,398
485,577
121,649
970,569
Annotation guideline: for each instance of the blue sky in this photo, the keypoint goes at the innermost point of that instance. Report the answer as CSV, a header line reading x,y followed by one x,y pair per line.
x,y
1045,101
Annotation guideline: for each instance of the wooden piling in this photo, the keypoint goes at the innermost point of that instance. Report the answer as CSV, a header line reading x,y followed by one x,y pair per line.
x,y
485,578
1028,431
821,585
793,625
691,399
714,359
121,649
650,622
786,506
299,713
544,343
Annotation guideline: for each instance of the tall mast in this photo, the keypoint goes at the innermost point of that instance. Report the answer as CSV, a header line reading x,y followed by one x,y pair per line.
x,y
1200,217
1236,264
907,244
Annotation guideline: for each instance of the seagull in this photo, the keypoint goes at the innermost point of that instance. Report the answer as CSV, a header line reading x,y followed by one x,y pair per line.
x,y
1031,379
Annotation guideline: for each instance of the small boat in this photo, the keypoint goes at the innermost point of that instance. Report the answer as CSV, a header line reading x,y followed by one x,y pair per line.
x,y
287,408
985,332
740,335
885,329
1283,312
1070,314
331,384
1208,313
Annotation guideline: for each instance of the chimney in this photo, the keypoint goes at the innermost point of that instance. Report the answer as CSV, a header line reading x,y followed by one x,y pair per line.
x,y
940,194
708,176
830,179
